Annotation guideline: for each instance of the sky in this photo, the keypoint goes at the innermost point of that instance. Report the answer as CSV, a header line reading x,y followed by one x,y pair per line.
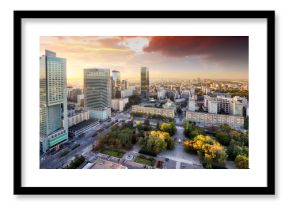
x,y
167,57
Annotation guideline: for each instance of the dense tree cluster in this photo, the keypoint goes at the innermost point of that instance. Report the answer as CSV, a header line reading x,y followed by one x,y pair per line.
x,y
191,130
242,162
120,137
158,139
235,141
234,92
168,127
153,145
75,163
211,153
160,117
165,136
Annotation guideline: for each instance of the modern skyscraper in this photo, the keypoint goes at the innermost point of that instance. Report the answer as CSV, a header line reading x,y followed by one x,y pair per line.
x,y
125,84
116,84
97,92
145,82
53,101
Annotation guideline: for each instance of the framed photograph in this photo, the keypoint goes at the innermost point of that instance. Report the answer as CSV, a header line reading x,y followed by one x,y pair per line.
x,y
144,102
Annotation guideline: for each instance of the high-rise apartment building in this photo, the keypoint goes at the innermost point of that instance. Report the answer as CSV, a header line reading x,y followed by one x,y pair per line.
x,y
116,84
53,101
97,92
144,82
213,106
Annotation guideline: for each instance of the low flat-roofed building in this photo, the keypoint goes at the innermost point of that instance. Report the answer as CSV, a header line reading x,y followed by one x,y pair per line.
x,y
153,111
82,127
208,119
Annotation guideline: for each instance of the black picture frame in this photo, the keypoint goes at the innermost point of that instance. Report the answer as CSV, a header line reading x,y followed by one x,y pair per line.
x,y
268,190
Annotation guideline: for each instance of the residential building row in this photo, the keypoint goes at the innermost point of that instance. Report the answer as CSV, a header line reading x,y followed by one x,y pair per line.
x,y
209,119
170,113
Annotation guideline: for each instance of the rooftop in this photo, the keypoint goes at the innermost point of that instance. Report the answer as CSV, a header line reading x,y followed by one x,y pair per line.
x,y
82,124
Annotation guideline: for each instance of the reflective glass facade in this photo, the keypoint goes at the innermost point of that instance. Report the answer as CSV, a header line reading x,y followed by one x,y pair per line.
x,y
145,82
53,101
97,92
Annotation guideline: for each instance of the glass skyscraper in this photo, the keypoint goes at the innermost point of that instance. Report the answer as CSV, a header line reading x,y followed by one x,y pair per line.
x,y
97,92
145,83
53,101
116,84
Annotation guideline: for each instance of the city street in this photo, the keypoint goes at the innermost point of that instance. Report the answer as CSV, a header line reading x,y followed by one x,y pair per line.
x,y
179,154
86,141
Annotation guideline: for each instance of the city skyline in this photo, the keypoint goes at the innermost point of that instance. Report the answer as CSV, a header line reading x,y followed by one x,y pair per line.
x,y
179,57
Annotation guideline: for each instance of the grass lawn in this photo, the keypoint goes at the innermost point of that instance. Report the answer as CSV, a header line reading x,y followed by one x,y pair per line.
x,y
145,160
114,153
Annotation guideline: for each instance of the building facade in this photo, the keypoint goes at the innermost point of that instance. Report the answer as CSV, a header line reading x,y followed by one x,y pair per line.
x,y
127,92
119,104
81,100
116,84
153,111
97,92
208,119
145,83
191,105
77,117
161,93
53,101
213,106
125,84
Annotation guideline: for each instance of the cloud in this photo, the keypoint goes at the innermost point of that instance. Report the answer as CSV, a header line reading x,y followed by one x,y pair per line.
x,y
214,47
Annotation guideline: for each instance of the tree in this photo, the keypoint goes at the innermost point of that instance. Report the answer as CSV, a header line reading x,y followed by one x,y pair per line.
x,y
172,98
75,163
210,152
234,150
246,123
168,127
191,130
196,131
179,110
158,126
242,162
153,144
187,128
169,143
146,125
165,137
223,137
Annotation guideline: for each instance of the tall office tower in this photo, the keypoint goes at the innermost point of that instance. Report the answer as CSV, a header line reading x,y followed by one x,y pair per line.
x,y
116,84
53,101
125,84
145,82
97,92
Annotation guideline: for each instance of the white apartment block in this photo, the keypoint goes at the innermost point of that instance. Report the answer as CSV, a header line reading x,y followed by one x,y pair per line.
x,y
191,105
161,94
154,111
208,119
128,92
213,106
119,104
